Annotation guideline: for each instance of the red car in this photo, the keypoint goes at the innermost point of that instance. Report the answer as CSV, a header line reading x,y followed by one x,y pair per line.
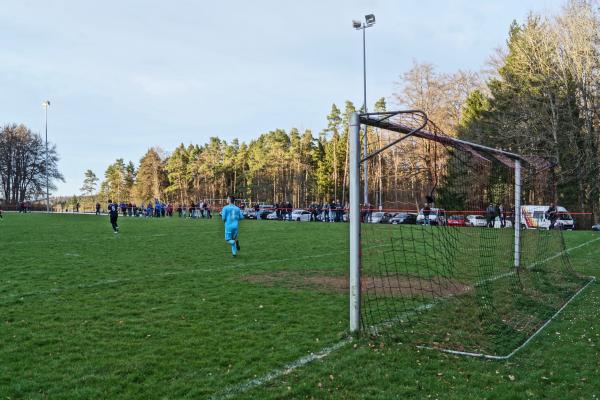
x,y
457,220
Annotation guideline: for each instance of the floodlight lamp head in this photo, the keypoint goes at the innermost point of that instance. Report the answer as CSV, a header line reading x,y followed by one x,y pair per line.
x,y
370,19
356,24
46,103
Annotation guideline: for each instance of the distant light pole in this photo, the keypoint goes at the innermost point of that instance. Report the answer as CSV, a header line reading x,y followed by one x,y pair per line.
x,y
358,25
46,104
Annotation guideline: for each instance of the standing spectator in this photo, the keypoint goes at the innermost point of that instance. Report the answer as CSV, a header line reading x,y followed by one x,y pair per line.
x,y
179,210
278,210
316,211
289,210
257,211
77,206
426,213
552,215
331,208
502,214
490,215
338,212
207,210
97,208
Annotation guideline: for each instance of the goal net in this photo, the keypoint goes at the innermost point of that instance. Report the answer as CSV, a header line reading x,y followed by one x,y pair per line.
x,y
439,258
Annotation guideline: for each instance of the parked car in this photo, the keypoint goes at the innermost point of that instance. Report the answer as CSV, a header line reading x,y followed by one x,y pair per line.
x,y
272,216
264,210
380,217
301,215
249,213
404,218
476,220
596,227
437,216
457,220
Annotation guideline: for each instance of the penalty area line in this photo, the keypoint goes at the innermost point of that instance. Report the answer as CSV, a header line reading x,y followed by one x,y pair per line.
x,y
235,390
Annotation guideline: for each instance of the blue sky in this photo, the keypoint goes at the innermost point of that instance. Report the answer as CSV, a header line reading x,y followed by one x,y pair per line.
x,y
126,75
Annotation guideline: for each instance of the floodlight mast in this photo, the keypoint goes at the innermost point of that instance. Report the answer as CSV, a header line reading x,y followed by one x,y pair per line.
x,y
358,25
46,104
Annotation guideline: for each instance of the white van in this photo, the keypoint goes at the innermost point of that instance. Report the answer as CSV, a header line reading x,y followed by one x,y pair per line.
x,y
534,217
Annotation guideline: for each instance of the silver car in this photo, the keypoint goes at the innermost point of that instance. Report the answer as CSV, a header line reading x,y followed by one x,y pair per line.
x,y
301,215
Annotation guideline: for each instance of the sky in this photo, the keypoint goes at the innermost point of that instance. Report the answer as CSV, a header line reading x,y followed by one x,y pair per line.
x,y
123,76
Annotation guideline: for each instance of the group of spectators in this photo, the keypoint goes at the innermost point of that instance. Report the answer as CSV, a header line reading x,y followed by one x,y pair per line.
x,y
333,211
159,209
24,207
325,212
494,211
195,210
282,210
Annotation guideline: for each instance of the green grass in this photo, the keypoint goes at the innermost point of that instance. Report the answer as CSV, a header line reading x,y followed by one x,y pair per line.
x,y
163,311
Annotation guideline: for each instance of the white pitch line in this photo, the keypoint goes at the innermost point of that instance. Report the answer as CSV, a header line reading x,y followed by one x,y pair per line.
x,y
235,390
159,275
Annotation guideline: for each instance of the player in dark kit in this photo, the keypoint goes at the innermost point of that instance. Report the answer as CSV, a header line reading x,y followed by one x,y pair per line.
x,y
113,212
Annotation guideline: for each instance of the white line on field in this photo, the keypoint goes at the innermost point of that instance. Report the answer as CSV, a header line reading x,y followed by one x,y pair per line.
x,y
160,274
235,390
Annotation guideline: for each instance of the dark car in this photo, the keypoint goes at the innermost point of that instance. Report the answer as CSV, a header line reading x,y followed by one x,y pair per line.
x,y
404,218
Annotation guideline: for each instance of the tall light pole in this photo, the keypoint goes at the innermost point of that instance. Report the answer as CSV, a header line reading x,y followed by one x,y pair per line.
x,y
358,25
46,104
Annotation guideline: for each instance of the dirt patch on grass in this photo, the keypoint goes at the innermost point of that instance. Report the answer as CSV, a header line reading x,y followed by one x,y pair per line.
x,y
392,285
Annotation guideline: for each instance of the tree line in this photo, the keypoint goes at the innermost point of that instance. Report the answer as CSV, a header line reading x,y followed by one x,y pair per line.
x,y
538,97
23,165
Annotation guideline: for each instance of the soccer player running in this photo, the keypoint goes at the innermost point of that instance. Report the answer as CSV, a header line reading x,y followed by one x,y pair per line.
x,y
231,214
113,212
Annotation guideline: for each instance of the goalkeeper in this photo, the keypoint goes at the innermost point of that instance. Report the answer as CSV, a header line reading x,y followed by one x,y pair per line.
x,y
231,214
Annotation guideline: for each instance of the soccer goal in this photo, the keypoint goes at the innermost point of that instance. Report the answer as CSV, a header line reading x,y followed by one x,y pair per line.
x,y
438,254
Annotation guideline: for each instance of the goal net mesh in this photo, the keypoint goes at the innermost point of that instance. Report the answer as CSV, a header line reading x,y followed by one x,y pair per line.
x,y
438,243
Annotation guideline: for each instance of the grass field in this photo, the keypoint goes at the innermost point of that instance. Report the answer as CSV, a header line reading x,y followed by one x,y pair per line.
x,y
162,310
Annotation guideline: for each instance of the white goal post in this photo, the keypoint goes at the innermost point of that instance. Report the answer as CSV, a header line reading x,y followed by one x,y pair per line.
x,y
385,121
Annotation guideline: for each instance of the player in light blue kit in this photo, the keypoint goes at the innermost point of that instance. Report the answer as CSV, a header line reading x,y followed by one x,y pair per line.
x,y
231,214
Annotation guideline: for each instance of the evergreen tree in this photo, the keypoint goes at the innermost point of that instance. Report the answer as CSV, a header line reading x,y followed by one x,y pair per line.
x,y
90,183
